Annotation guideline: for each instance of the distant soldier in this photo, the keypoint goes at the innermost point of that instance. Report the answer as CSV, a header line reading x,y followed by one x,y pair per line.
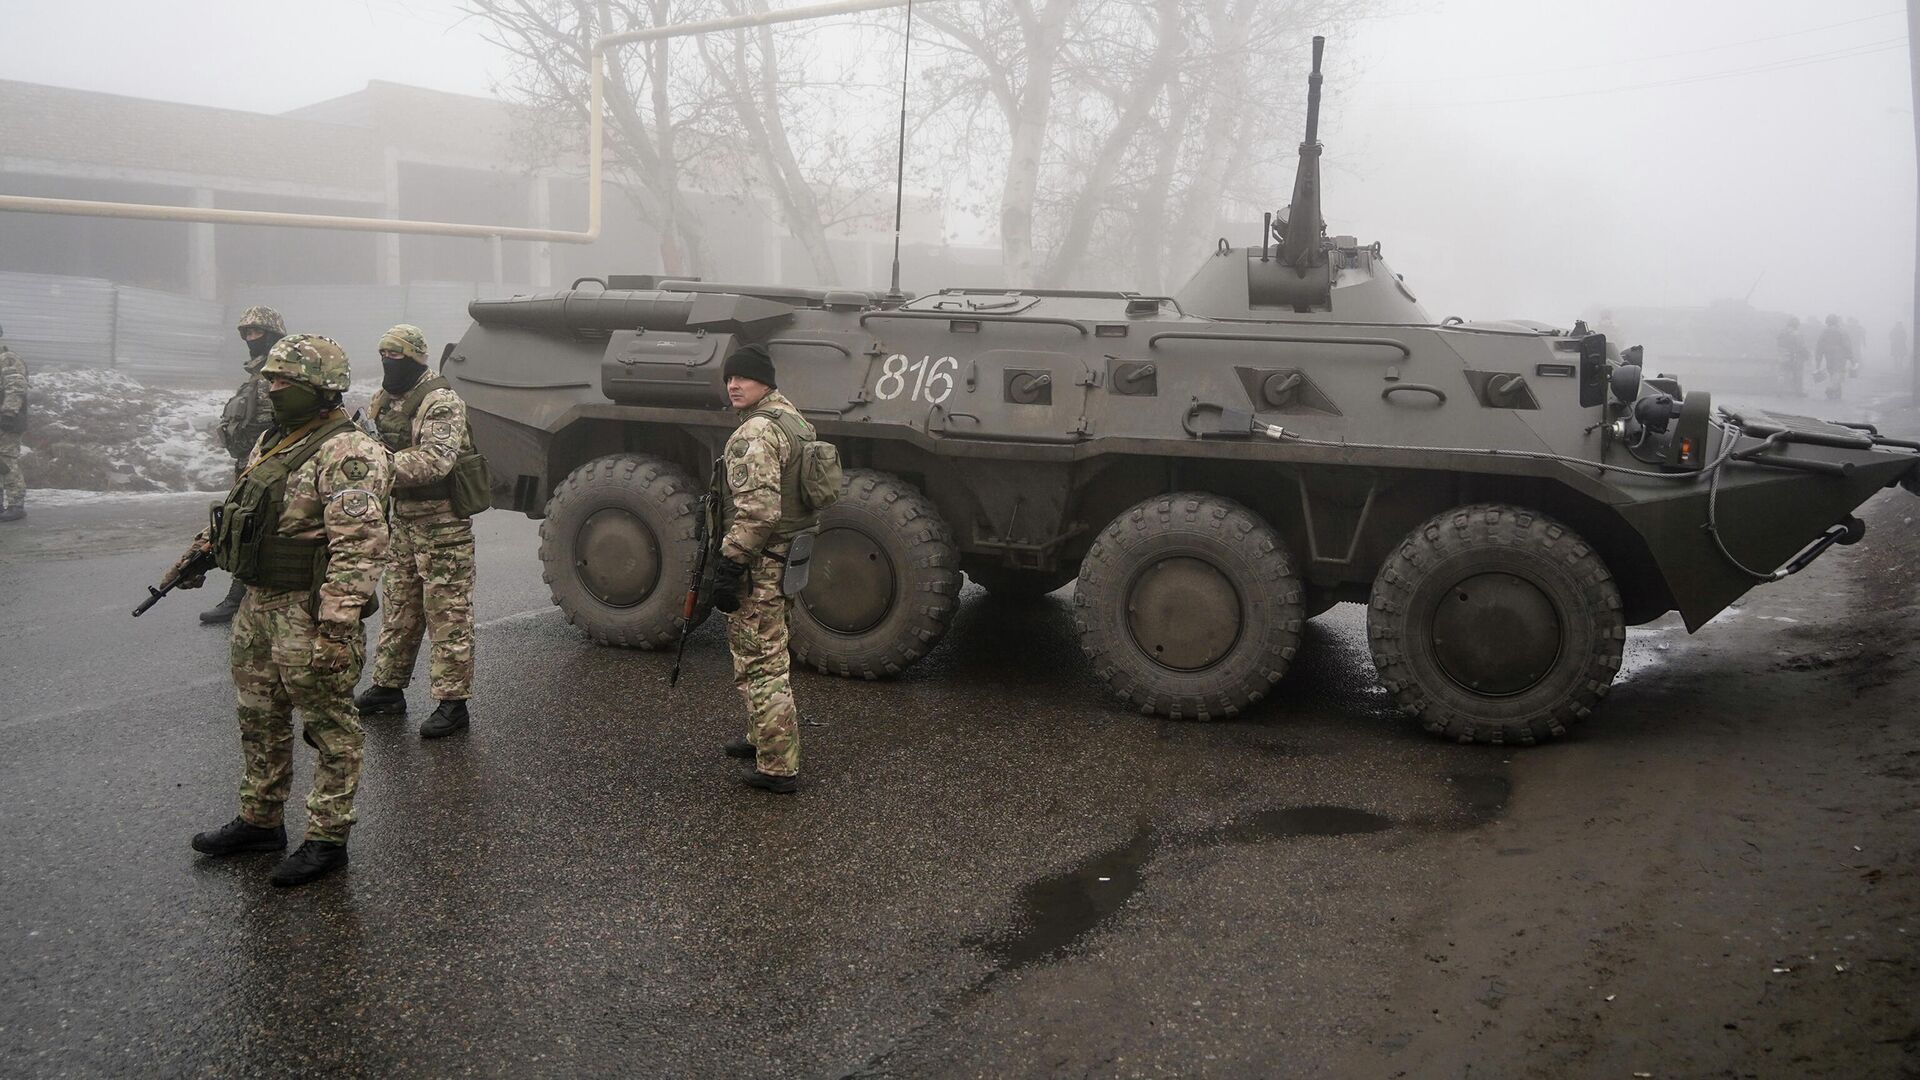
x,y
1793,357
247,415
1857,337
757,482
428,587
1833,357
304,528
13,424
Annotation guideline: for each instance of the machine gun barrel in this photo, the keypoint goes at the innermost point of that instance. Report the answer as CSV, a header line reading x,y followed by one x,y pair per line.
x,y
1300,248
1313,93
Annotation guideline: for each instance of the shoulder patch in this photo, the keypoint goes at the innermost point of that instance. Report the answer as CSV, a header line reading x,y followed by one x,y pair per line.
x,y
356,503
439,429
354,468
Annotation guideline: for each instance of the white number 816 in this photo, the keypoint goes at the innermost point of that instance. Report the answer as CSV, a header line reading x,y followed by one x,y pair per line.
x,y
932,379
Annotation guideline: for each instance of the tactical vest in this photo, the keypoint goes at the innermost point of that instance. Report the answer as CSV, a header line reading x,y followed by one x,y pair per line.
x,y
466,486
795,517
245,534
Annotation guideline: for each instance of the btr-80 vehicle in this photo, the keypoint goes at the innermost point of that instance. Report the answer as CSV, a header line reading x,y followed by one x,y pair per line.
x,y
1289,431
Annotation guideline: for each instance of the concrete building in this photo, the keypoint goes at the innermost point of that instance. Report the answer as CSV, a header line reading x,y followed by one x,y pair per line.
x,y
386,151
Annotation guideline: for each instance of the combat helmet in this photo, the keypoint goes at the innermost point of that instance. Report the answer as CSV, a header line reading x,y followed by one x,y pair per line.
x,y
318,361
406,339
261,317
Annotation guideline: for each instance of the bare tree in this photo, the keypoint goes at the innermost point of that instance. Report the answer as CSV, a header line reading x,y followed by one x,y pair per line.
x,y
714,115
1127,124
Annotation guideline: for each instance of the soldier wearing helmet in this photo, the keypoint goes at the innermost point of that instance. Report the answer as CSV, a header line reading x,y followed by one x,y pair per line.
x,y
428,586
305,529
248,413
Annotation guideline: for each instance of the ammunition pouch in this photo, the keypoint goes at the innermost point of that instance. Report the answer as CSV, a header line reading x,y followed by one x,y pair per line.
x,y
243,529
468,487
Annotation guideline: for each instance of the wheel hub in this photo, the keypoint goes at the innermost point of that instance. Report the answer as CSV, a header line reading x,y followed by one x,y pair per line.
x,y
852,584
617,557
1183,613
1496,634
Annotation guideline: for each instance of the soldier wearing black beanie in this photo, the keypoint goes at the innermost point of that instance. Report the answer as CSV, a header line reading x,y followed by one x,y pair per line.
x,y
750,362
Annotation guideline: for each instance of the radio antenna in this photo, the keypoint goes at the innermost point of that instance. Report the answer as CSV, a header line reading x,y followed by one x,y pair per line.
x,y
894,296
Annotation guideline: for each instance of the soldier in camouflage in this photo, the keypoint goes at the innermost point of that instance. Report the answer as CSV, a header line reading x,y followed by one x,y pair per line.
x,y
248,414
428,586
753,476
304,527
13,423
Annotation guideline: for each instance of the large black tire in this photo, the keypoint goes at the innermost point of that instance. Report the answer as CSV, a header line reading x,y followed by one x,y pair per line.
x,y
884,584
617,547
1188,606
1496,624
1019,586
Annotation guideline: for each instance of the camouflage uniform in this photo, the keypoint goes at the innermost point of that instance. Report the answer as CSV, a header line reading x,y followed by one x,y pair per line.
x,y
428,586
756,456
13,414
249,412
303,648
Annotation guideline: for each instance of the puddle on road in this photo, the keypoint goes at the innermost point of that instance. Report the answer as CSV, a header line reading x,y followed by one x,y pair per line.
x,y
1062,909
1482,795
1300,821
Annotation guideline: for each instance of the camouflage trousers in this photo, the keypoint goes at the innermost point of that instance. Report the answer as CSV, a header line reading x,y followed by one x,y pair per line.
x,y
428,589
13,479
757,636
271,651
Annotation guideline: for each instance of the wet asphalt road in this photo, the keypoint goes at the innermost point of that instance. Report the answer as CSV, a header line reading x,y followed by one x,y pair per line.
x,y
578,885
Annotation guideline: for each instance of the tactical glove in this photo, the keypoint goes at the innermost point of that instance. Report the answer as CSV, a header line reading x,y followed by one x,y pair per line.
x,y
729,581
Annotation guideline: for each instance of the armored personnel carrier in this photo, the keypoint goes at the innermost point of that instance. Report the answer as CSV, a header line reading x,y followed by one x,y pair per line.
x,y
1291,430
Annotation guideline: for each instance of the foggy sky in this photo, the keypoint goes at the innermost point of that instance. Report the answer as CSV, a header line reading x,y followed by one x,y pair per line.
x,y
1465,135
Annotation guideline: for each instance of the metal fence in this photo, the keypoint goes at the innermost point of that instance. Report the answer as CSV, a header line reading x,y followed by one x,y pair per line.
x,y
163,338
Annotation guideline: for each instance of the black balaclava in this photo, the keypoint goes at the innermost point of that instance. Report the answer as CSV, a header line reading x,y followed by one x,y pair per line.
x,y
397,376
259,346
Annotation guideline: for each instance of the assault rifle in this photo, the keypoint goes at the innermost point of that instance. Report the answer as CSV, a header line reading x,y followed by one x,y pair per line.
x,y
706,538
199,561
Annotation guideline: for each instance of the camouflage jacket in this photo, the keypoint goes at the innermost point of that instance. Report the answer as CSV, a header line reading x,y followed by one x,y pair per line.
x,y
13,383
754,459
424,454
248,413
337,495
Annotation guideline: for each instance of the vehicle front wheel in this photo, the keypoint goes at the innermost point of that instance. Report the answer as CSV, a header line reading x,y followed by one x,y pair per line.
x,y
1188,606
617,549
1496,624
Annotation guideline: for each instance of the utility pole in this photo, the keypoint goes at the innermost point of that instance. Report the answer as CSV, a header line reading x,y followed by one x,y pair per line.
x,y
1913,76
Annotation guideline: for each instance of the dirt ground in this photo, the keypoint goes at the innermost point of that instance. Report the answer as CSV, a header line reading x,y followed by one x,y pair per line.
x,y
1734,891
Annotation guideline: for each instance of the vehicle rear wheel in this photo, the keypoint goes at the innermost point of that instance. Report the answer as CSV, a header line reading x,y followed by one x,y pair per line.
x,y
1496,624
884,583
1188,606
617,549
1019,586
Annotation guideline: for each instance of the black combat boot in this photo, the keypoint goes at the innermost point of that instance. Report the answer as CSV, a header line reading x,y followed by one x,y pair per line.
x,y
312,860
450,717
779,785
381,699
222,612
16,509
239,836
740,748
